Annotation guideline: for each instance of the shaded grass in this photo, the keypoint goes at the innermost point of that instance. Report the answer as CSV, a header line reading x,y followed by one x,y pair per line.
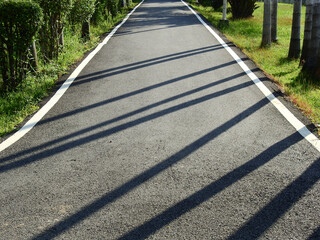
x,y
302,89
17,105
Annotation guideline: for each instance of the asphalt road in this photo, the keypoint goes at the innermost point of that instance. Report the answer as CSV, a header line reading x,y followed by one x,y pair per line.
x,y
162,136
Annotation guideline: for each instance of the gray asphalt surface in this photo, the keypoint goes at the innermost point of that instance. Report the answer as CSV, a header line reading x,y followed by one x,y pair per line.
x,y
162,136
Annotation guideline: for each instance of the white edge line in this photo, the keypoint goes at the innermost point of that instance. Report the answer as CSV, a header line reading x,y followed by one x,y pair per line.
x,y
55,98
298,125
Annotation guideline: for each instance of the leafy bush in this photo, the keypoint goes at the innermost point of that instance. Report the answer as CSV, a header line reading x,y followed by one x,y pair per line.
x,y
82,11
242,8
19,22
205,3
51,32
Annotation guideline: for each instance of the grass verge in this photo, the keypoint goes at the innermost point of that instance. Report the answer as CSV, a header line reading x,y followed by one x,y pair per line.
x,y
16,106
247,34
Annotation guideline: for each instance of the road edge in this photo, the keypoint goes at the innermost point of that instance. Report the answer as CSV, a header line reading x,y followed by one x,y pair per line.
x,y
60,92
285,112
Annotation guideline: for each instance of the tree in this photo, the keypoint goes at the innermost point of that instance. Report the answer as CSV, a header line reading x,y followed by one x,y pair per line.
x,y
307,31
242,8
266,32
313,47
294,50
274,21
82,12
54,19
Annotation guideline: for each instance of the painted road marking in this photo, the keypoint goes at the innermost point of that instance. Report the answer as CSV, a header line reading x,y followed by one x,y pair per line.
x,y
298,125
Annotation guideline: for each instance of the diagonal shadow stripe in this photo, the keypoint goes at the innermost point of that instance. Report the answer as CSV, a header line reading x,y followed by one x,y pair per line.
x,y
112,196
186,205
133,93
130,114
279,205
81,80
197,51
108,132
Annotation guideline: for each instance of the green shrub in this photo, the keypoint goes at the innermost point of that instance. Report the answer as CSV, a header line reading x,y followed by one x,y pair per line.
x,y
206,3
19,22
82,11
242,8
55,14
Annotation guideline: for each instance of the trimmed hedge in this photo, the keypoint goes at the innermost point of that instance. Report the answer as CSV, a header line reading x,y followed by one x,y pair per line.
x,y
19,22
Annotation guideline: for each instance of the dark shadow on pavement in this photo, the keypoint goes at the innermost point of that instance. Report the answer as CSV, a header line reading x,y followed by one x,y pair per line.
x,y
81,79
130,94
53,151
208,48
279,205
186,205
112,196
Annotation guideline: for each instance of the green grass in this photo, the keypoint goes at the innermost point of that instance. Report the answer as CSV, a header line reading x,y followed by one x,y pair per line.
x,y
247,34
16,106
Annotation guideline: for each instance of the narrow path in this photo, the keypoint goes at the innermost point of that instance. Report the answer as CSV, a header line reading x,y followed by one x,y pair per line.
x,y
161,136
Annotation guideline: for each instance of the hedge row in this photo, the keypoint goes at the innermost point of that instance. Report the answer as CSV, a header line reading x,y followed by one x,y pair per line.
x,y
23,21
19,22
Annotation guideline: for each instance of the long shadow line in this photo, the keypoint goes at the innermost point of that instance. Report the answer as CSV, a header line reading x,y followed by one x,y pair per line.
x,y
132,123
81,80
133,93
110,197
279,205
315,235
201,196
50,143
149,60
123,33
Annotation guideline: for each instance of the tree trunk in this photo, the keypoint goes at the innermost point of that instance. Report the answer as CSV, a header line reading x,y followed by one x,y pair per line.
x,y
34,61
85,32
266,34
295,48
274,21
307,31
315,39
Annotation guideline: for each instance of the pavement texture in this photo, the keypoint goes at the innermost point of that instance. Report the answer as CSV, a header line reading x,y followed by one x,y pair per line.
x,y
162,136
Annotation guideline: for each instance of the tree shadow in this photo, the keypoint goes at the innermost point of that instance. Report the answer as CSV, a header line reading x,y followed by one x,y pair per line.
x,y
279,205
102,134
186,205
112,196
142,64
